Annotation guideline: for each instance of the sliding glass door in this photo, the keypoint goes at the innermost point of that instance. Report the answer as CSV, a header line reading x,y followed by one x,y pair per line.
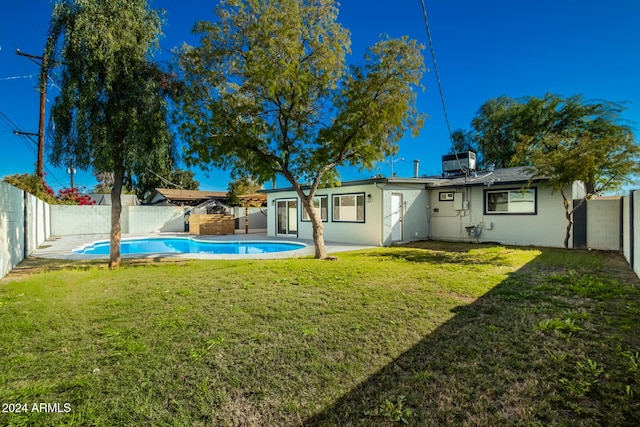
x,y
287,217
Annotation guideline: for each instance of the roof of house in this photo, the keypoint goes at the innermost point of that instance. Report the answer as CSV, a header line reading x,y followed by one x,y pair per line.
x,y
516,175
105,199
380,180
255,197
177,194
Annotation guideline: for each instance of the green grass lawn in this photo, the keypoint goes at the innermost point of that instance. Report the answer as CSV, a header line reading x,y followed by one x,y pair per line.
x,y
431,335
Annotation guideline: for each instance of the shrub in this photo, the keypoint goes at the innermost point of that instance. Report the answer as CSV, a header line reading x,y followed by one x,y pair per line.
x,y
32,184
71,196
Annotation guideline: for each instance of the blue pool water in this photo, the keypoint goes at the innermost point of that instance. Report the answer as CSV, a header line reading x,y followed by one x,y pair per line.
x,y
182,245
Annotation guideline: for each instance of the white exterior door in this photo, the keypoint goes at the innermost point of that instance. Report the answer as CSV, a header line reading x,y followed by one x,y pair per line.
x,y
396,217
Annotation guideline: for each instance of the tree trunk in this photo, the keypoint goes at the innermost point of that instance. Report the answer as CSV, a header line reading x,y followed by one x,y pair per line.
x,y
116,226
568,234
318,229
568,213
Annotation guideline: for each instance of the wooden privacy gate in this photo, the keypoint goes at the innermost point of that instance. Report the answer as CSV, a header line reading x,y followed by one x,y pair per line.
x,y
216,224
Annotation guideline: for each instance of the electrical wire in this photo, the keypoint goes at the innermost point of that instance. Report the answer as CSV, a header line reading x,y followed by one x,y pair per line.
x,y
16,77
435,68
16,131
428,171
26,140
166,181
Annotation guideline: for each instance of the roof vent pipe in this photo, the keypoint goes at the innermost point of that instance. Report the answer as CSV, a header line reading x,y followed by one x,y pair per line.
x,y
416,166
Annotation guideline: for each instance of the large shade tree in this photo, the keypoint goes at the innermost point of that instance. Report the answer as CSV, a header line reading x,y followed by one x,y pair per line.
x,y
269,92
569,139
111,113
495,131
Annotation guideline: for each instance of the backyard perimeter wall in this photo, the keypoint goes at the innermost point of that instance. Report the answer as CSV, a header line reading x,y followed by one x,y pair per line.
x,y
17,210
71,220
603,224
631,229
257,218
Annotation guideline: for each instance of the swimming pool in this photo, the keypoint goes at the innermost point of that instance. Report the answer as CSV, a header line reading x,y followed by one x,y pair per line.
x,y
186,245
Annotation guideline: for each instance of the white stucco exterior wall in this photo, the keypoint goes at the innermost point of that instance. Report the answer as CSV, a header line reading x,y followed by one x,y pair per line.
x,y
545,228
377,227
415,211
368,232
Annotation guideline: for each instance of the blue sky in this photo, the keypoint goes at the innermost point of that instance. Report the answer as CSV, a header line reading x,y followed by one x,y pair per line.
x,y
483,50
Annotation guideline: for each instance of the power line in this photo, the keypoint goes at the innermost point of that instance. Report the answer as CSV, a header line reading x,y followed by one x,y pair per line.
x,y
16,77
166,181
435,67
25,138
419,167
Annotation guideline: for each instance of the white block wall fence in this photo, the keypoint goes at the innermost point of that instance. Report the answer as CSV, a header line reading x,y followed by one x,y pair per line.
x,y
631,229
24,225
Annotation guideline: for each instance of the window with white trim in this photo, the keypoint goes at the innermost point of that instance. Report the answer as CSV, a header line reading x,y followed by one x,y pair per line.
x,y
321,206
517,201
348,207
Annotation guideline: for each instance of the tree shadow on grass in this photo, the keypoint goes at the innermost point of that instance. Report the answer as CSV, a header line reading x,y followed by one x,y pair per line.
x,y
35,265
532,351
446,252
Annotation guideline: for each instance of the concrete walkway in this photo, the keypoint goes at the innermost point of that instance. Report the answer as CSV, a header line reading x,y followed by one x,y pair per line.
x,y
62,247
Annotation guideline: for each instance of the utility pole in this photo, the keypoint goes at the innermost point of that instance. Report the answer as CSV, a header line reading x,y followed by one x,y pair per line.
x,y
43,99
71,171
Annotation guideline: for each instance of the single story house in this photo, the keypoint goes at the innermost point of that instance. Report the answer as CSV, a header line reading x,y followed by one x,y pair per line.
x,y
486,206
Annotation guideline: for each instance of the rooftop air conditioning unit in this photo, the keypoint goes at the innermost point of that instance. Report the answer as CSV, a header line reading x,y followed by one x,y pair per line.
x,y
465,161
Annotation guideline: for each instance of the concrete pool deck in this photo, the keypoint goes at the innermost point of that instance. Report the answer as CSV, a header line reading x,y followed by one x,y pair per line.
x,y
61,247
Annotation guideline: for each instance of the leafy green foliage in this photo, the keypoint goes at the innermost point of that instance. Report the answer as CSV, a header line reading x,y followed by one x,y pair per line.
x,y
393,411
268,92
578,140
111,113
32,184
496,131
35,185
586,377
567,325
240,186
462,140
